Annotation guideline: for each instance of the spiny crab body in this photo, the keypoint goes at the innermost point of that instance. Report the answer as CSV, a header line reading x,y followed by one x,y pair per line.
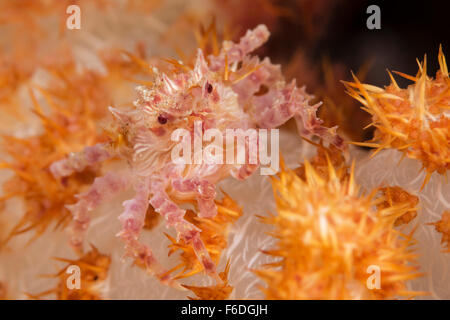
x,y
234,90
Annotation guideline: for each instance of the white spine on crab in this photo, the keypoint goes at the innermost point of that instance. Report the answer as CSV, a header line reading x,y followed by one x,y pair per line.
x,y
120,115
170,87
200,68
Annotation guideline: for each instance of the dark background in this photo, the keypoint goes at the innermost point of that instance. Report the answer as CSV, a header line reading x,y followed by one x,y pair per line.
x,y
409,29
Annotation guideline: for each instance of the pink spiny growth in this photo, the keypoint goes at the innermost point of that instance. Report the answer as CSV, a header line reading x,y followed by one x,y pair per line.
x,y
234,90
77,162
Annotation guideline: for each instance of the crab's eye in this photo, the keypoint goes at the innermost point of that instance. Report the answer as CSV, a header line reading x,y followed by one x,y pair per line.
x,y
162,119
209,87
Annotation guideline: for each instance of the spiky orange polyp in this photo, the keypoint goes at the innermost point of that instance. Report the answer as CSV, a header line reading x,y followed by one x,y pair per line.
x,y
397,196
214,234
327,236
94,267
219,291
414,120
443,226
321,160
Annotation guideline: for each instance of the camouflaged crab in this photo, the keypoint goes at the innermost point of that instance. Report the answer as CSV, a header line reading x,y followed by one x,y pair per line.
x,y
229,90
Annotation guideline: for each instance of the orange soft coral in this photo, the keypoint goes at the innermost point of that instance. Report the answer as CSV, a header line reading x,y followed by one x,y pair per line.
x,y
443,226
76,103
94,267
413,120
75,108
3,291
321,160
327,237
12,74
26,13
45,198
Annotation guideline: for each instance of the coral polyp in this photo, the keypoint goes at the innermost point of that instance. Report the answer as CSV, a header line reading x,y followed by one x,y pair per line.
x,y
92,269
321,161
328,236
3,291
219,291
443,226
414,120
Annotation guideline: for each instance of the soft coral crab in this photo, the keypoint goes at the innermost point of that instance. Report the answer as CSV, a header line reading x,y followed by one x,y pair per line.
x,y
233,91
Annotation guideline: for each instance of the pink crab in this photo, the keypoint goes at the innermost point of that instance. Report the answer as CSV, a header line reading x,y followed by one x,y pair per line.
x,y
230,90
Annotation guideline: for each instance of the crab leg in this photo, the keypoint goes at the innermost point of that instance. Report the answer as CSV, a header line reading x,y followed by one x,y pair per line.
x,y
133,220
103,189
233,52
205,193
309,124
278,106
174,217
77,162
